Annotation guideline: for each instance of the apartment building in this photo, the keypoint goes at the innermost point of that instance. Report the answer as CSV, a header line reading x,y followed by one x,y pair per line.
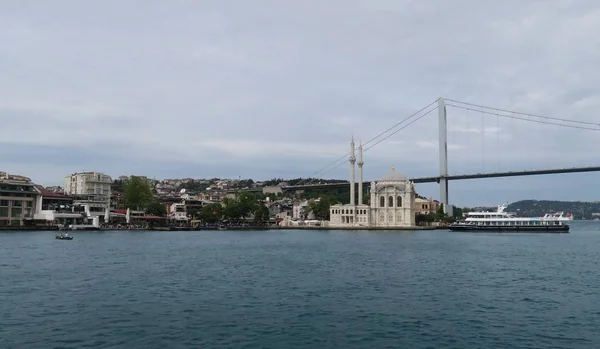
x,y
17,199
91,190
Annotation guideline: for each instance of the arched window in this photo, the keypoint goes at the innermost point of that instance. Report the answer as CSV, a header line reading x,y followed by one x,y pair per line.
x,y
399,201
391,201
382,201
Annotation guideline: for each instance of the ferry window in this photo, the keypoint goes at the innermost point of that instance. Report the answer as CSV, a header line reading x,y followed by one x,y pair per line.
x,y
382,201
391,201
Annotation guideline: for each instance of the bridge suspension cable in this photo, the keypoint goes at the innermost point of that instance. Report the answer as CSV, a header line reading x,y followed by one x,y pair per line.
x,y
499,113
521,115
381,140
341,160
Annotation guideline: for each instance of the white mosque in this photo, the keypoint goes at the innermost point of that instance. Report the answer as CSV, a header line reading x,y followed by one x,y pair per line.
x,y
391,203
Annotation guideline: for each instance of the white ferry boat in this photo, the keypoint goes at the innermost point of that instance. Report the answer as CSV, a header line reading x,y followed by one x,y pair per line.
x,y
559,216
506,221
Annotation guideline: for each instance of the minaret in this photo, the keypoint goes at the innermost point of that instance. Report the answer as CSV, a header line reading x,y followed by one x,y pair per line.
x,y
352,161
360,173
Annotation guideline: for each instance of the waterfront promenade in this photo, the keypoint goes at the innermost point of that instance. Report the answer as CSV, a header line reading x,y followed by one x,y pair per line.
x,y
217,227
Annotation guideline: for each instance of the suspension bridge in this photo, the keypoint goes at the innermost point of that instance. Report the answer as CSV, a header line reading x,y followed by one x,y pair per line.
x,y
443,177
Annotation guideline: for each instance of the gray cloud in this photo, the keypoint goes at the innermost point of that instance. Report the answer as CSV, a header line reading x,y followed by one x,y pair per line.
x,y
275,89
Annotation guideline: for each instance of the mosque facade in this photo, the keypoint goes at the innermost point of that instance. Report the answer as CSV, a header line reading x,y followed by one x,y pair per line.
x,y
391,202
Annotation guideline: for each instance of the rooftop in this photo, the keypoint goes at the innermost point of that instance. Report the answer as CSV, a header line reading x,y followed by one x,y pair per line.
x,y
50,194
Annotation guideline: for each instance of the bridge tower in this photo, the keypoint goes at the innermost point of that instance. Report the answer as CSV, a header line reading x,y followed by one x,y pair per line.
x,y
360,173
443,155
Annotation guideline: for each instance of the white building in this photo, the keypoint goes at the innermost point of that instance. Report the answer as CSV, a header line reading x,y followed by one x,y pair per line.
x,y
299,211
91,190
178,212
391,201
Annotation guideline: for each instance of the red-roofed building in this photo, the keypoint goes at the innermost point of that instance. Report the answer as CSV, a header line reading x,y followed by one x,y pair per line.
x,y
56,208
51,199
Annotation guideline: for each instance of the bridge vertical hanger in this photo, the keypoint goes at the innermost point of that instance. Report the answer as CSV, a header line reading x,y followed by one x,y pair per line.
x,y
443,153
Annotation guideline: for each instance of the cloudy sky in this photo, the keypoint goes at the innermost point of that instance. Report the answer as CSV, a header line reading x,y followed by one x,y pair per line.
x,y
267,89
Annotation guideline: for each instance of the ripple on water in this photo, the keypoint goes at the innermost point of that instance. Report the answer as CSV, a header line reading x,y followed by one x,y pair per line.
x,y
300,290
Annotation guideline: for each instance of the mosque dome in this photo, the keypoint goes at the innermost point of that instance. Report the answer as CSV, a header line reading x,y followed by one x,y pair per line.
x,y
394,176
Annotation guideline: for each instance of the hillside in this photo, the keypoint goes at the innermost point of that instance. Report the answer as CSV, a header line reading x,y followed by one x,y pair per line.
x,y
533,208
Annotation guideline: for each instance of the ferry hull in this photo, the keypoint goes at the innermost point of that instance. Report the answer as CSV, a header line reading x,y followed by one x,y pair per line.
x,y
515,229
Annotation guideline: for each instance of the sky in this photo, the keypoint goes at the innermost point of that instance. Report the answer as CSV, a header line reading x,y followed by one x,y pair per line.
x,y
275,89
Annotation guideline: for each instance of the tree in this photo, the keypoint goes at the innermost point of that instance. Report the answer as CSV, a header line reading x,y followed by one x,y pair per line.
x,y
320,208
232,210
156,209
138,193
261,214
439,214
211,213
424,218
118,185
458,212
247,203
241,206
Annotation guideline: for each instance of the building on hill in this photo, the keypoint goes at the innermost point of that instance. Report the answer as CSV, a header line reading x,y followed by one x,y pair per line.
x,y
392,200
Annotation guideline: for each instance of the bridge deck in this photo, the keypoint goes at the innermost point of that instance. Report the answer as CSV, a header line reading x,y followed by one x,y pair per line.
x,y
436,179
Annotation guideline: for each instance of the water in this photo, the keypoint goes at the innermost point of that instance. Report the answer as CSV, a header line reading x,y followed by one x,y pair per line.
x,y
300,289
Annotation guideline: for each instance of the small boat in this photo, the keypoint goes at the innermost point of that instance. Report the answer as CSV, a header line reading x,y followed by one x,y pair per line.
x,y
64,237
501,221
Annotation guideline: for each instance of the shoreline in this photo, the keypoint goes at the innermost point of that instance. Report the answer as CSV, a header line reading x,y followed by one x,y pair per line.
x,y
51,228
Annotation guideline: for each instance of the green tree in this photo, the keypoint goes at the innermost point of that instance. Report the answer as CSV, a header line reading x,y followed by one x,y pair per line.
x,y
247,203
157,209
439,214
261,213
194,212
321,207
241,206
232,210
211,213
458,212
424,218
138,193
118,185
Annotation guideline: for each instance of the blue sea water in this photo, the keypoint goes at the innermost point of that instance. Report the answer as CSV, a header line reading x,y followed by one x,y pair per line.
x,y
301,289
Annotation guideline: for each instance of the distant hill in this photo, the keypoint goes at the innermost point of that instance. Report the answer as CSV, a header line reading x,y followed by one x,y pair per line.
x,y
533,208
